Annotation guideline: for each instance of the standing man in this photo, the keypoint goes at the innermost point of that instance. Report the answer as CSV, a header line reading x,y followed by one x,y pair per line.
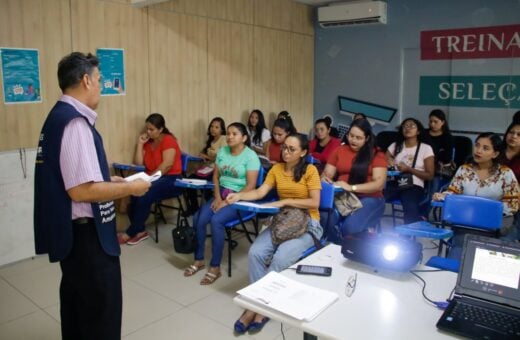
x,y
74,215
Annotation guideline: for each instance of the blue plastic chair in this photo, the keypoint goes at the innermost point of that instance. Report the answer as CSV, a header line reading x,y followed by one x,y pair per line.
x,y
326,205
243,217
463,212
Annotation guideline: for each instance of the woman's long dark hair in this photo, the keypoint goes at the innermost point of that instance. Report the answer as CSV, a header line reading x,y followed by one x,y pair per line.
x,y
300,168
439,114
286,116
157,120
259,128
496,143
503,149
210,137
243,130
400,138
365,155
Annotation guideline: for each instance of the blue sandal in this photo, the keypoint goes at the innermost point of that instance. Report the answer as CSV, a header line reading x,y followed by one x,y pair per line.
x,y
255,327
240,328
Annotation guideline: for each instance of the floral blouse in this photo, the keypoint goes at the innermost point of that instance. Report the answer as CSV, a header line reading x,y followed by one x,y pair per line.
x,y
501,186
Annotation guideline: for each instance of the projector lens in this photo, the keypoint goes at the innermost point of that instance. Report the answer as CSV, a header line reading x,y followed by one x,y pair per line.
x,y
390,252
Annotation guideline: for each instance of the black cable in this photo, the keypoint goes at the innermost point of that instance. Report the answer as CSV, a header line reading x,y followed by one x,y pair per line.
x,y
281,330
438,304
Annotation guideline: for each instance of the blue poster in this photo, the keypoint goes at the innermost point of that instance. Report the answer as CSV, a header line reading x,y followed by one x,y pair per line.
x,y
112,69
21,75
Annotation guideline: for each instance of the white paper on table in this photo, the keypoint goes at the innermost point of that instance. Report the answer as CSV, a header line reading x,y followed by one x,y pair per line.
x,y
144,176
296,299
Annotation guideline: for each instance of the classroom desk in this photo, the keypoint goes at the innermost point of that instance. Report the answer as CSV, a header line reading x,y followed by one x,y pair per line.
x,y
383,305
121,168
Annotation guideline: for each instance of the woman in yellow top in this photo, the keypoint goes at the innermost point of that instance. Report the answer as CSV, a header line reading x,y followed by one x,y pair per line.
x,y
298,185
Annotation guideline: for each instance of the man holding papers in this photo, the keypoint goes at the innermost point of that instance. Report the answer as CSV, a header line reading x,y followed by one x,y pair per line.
x,y
298,185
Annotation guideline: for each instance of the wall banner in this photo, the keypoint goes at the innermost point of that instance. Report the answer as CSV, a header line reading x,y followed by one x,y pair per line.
x,y
470,91
20,75
112,69
471,43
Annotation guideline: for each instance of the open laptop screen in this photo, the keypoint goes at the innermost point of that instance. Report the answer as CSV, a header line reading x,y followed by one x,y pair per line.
x,y
490,270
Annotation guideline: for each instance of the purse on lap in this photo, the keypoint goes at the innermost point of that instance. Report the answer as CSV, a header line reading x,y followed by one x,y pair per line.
x,y
405,180
287,224
347,202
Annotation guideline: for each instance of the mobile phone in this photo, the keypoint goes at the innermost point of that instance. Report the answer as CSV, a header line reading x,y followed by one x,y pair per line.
x,y
313,270
116,83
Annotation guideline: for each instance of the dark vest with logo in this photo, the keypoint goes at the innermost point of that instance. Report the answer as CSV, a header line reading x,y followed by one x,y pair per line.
x,y
52,204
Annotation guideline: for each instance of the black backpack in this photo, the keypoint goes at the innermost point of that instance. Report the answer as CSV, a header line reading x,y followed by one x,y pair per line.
x,y
184,240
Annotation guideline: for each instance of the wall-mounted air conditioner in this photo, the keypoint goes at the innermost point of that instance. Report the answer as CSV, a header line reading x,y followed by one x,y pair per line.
x,y
353,13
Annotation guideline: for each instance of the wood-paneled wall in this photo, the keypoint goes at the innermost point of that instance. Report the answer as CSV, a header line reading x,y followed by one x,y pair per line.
x,y
190,60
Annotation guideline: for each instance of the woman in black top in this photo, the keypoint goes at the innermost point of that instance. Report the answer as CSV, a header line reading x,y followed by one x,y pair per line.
x,y
439,137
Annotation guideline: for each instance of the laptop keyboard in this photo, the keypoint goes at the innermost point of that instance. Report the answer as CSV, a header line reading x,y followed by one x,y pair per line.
x,y
504,323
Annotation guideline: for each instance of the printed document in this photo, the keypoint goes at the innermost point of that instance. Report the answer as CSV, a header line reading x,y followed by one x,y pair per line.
x,y
144,176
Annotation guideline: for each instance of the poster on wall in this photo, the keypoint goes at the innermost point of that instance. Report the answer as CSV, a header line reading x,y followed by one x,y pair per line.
x,y
112,69
20,75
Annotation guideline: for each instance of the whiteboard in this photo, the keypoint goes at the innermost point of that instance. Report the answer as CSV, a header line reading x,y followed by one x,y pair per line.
x,y
16,205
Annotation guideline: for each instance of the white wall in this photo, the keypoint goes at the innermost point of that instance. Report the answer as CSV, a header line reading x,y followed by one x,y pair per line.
x,y
16,205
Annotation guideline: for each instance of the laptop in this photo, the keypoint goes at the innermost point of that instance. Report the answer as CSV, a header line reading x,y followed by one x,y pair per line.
x,y
486,304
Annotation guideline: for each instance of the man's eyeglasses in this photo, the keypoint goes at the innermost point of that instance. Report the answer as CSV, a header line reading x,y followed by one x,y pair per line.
x,y
351,285
289,149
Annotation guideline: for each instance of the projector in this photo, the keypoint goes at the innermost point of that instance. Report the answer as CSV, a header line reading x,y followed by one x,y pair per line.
x,y
382,251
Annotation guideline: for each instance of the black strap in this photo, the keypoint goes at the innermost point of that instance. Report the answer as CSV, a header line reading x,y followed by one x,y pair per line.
x,y
317,242
416,153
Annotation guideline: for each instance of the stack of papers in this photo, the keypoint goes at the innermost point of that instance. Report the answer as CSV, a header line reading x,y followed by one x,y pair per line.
x,y
298,300
144,176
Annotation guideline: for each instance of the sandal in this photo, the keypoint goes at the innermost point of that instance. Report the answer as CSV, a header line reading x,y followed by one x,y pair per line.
x,y
209,278
192,269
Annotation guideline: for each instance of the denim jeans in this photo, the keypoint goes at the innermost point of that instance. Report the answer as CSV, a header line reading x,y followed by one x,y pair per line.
x,y
140,207
264,257
410,199
217,220
365,217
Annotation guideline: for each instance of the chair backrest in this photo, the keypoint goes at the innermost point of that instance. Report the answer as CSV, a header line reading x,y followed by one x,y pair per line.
x,y
326,196
312,160
472,211
261,177
385,138
463,149
184,163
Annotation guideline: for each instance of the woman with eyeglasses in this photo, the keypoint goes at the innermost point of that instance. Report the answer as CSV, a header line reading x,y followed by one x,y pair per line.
x,y
401,156
484,176
297,184
236,170
361,169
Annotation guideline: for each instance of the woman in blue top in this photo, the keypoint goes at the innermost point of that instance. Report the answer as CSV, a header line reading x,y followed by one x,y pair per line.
x,y
236,170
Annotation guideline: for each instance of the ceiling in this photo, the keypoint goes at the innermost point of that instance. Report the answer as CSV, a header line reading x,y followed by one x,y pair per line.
x,y
319,2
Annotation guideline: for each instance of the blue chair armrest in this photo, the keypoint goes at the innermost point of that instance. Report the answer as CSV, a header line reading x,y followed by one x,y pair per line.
x,y
451,265
423,229
133,167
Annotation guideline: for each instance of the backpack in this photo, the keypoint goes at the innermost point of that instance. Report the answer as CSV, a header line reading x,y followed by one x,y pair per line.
x,y
184,240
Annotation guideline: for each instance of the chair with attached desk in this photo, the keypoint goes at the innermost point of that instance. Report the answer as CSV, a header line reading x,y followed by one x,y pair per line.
x,y
460,213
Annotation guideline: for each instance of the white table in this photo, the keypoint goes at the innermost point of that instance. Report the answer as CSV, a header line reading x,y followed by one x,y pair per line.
x,y
383,306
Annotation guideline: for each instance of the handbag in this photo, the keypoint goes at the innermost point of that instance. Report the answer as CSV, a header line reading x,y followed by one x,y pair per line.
x,y
347,202
184,240
447,169
287,224
405,180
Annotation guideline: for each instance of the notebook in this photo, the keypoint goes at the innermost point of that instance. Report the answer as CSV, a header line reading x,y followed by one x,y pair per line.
x,y
486,304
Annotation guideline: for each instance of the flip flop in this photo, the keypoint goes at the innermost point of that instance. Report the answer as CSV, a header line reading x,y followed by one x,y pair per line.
x,y
192,269
240,328
209,278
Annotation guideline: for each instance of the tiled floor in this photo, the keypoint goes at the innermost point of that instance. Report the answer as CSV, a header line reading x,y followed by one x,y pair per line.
x,y
158,302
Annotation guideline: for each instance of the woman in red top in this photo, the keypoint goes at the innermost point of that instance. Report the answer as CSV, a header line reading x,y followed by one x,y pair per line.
x,y
157,150
282,128
510,156
361,169
323,144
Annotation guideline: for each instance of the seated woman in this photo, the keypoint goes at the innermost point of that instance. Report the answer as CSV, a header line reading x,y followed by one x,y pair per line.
x,y
484,177
510,156
282,128
323,144
298,185
361,169
258,131
157,149
402,155
439,138
236,170
216,139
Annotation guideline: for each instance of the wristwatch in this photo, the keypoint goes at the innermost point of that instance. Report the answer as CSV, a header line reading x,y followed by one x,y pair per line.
x,y
354,188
